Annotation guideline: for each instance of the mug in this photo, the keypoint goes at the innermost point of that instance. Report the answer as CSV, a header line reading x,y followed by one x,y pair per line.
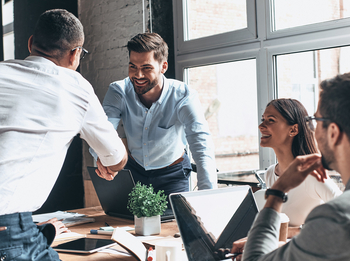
x,y
168,251
284,227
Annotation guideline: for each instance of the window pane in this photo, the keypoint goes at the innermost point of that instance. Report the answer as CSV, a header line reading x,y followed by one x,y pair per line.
x,y
300,12
210,17
230,91
299,74
9,46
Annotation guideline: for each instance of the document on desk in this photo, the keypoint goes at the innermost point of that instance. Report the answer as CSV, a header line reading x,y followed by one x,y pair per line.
x,y
130,242
68,218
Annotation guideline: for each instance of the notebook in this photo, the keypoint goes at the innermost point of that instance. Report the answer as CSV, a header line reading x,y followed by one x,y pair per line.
x,y
212,219
114,195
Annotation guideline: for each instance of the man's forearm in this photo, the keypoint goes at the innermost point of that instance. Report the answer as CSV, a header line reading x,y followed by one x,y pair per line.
x,y
206,173
274,202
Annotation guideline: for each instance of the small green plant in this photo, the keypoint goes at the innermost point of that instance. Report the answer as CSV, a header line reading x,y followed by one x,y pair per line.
x,y
144,202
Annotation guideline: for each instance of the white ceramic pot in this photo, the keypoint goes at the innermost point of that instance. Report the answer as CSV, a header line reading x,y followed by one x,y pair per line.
x,y
147,226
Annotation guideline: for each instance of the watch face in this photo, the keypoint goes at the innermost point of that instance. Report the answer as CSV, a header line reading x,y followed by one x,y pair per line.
x,y
285,197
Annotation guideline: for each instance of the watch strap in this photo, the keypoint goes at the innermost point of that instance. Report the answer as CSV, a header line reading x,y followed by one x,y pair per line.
x,y
277,193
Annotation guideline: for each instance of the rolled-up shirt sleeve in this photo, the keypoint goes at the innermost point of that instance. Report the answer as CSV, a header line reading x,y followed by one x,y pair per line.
x,y
101,136
200,141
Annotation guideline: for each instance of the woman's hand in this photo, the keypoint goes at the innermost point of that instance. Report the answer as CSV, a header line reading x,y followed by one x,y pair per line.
x,y
59,226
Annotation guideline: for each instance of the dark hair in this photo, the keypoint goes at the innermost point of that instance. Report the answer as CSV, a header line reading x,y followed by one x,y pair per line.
x,y
56,32
335,101
147,42
294,112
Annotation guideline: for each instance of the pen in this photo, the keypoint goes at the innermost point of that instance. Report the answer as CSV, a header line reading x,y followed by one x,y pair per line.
x,y
100,232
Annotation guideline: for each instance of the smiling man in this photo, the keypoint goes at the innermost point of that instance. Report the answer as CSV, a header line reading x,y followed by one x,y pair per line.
x,y
160,116
326,232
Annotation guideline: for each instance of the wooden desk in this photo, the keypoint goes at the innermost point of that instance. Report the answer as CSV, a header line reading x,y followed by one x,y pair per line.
x,y
168,229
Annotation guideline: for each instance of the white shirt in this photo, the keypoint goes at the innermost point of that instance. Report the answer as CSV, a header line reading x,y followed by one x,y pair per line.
x,y
42,107
302,199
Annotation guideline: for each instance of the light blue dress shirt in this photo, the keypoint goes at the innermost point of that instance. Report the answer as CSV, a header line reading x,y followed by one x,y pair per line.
x,y
157,136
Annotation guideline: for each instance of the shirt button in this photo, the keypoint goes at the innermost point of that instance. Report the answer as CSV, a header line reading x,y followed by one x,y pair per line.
x,y
146,128
144,144
145,156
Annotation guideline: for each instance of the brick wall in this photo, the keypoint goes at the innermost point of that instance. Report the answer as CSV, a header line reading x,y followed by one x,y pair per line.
x,y
108,25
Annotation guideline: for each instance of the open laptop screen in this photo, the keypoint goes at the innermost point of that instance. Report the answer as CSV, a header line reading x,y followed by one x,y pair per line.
x,y
114,195
213,219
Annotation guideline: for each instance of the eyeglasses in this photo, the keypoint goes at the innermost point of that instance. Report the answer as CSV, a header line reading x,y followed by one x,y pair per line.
x,y
83,52
310,120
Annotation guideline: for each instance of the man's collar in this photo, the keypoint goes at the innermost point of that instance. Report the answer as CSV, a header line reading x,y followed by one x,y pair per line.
x,y
164,90
41,59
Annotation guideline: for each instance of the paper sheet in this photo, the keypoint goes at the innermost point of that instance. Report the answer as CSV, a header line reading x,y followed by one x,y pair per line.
x,y
58,214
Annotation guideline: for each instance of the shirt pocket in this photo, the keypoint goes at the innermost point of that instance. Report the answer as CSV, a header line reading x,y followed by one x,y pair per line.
x,y
164,136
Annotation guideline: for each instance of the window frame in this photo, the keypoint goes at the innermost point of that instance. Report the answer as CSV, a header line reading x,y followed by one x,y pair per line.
x,y
304,29
264,48
210,42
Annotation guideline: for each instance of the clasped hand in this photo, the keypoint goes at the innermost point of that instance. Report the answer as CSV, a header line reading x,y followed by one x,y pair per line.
x,y
105,172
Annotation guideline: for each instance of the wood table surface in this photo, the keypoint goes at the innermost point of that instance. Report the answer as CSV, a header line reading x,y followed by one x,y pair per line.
x,y
168,229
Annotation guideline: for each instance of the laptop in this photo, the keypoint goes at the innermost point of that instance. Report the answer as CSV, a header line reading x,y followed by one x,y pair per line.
x,y
209,220
114,195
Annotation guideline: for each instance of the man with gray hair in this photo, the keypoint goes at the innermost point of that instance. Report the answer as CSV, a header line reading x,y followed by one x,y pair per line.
x,y
44,104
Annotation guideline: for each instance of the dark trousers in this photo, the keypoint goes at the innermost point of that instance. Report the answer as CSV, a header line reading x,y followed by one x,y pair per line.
x,y
171,179
22,240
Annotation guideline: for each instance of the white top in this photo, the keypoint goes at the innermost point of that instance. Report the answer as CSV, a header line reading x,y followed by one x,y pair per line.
x,y
302,199
42,107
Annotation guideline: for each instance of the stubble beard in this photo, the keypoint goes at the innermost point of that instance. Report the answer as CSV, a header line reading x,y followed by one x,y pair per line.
x,y
327,157
325,163
147,88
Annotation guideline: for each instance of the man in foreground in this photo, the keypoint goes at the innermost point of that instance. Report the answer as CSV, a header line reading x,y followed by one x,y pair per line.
x,y
44,104
326,232
159,116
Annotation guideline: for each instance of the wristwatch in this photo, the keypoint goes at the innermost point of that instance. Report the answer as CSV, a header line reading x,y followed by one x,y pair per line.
x,y
276,193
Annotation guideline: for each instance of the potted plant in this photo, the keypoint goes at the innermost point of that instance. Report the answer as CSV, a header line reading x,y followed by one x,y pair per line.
x,y
146,205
